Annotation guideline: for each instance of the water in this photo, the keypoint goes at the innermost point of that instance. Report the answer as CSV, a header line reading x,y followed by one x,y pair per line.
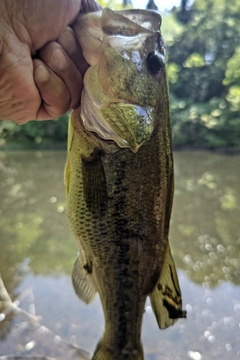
x,y
37,252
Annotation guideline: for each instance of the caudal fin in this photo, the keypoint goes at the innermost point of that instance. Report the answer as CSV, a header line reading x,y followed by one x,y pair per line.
x,y
102,352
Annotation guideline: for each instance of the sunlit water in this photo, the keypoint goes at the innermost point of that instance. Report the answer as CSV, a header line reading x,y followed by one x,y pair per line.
x,y
37,252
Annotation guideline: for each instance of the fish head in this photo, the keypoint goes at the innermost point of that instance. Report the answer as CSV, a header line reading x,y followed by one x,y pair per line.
x,y
122,88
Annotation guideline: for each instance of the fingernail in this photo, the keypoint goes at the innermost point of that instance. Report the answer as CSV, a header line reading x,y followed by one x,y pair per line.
x,y
41,74
59,60
68,42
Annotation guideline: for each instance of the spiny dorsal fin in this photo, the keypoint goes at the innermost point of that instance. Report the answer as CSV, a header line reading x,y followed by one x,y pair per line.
x,y
82,283
166,297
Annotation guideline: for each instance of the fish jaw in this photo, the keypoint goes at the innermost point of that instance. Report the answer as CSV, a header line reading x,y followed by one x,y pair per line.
x,y
118,29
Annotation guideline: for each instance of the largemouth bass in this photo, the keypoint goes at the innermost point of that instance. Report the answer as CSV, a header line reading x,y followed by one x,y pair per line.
x,y
119,178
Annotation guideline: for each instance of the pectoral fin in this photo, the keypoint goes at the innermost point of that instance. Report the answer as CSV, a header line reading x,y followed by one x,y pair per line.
x,y
82,282
166,297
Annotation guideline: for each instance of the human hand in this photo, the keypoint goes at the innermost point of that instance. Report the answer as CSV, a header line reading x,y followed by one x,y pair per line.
x,y
40,78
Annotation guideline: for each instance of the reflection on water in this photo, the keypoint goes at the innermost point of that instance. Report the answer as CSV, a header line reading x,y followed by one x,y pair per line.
x,y
37,252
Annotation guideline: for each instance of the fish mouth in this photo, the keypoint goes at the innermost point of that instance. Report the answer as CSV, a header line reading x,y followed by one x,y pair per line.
x,y
147,19
121,30
126,32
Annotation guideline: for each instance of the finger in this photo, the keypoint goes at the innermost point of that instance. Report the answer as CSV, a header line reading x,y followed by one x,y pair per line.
x,y
89,6
53,91
70,44
58,61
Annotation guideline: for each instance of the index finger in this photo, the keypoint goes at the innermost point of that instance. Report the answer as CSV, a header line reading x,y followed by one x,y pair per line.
x,y
69,43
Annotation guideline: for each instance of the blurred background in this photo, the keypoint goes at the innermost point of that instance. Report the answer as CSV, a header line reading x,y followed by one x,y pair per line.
x,y
203,42
37,249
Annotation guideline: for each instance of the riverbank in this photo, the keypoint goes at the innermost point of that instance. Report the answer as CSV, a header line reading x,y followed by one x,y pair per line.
x,y
44,146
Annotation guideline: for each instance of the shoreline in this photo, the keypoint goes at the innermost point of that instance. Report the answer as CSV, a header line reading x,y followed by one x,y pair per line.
x,y
62,146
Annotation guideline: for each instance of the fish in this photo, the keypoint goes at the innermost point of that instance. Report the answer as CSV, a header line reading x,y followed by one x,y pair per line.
x,y
119,178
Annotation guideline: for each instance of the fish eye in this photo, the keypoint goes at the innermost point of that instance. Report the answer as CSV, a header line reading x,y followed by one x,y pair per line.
x,y
155,62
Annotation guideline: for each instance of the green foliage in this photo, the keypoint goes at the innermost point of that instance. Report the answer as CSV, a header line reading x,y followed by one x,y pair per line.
x,y
112,4
204,77
232,74
170,28
34,133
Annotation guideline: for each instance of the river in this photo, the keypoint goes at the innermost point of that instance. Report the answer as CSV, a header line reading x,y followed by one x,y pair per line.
x,y
37,252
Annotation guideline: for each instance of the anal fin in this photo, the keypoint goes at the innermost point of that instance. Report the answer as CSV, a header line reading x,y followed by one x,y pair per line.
x,y
166,298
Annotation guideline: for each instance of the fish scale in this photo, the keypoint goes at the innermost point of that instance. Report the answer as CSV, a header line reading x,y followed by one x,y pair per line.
x,y
120,197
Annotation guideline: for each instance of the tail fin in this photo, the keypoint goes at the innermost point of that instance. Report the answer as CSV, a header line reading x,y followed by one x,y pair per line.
x,y
102,352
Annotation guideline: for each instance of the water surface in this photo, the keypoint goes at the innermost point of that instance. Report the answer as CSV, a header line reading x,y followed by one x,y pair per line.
x,y
37,252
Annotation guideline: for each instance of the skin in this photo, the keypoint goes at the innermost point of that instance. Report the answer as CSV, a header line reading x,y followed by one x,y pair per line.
x,y
41,65
118,258
119,201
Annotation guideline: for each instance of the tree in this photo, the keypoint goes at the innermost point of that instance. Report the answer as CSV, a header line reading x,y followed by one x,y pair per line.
x,y
205,78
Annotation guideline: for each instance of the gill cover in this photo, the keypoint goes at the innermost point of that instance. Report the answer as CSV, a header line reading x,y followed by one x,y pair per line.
x,y
126,54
